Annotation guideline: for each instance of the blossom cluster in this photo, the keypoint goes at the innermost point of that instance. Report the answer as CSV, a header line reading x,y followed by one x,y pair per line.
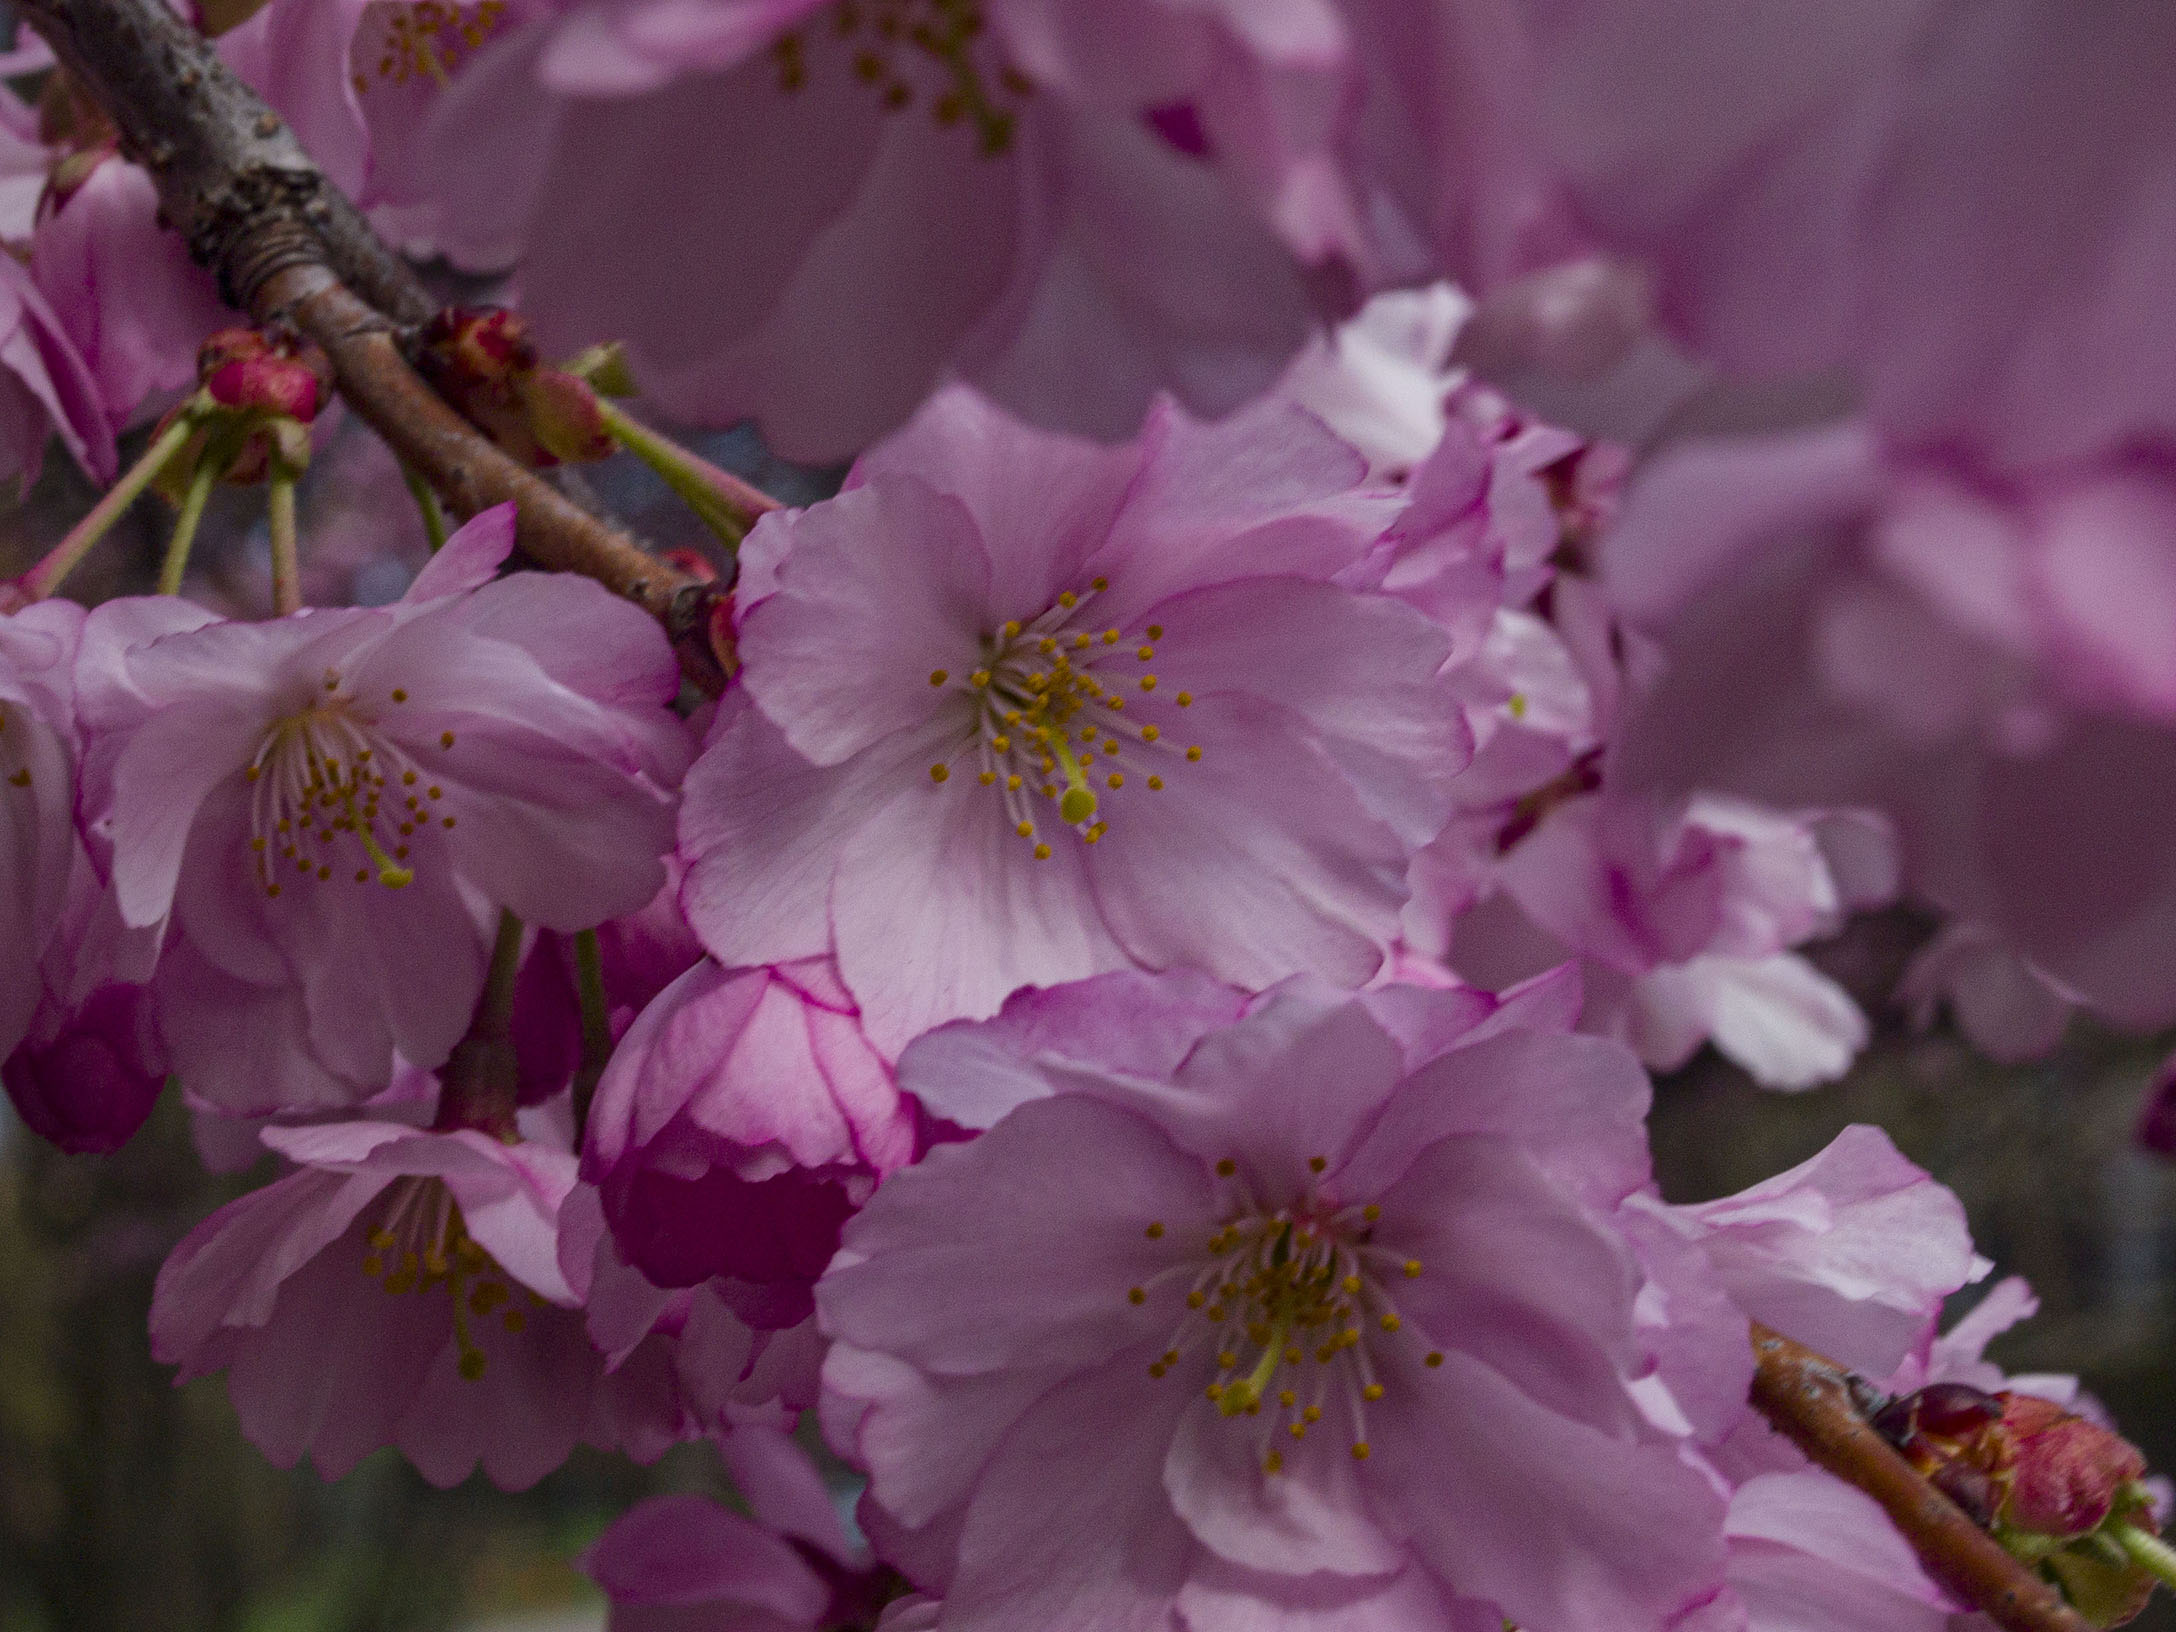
x,y
1130,1015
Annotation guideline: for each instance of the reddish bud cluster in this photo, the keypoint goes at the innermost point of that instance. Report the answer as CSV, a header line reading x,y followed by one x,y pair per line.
x,y
483,361
268,372
2044,1480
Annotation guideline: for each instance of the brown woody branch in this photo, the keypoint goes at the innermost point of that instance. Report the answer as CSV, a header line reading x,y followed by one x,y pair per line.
x,y
286,245
1809,1398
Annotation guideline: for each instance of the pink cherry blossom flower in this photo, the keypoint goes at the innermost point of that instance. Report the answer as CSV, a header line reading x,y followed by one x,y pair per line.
x,y
2005,1007
1297,1329
1019,710
38,844
325,811
45,386
742,1118
1809,1553
400,1287
680,1363
792,1567
1073,206
1852,1251
1959,205
123,286
1973,653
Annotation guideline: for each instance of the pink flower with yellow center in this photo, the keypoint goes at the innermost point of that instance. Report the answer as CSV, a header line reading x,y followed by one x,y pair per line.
x,y
1019,709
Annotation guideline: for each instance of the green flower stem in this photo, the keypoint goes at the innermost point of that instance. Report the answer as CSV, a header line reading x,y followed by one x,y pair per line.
x,y
44,578
482,1078
434,517
2148,1551
286,560
723,502
596,1025
184,535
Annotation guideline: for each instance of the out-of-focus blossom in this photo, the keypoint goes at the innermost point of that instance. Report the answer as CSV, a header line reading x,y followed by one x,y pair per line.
x,y
1074,206
673,1560
1020,710
38,844
400,1287
326,810
2157,1116
1976,655
1963,206
45,386
1330,1334
2007,1009
1380,380
742,1118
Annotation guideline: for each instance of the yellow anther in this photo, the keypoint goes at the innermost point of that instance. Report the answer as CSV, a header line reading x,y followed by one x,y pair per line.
x,y
1194,755
1012,783
1116,779
1298,1430
1135,1294
1185,699
1155,631
1515,705
1227,1359
1194,1300
445,739
1215,1391
1412,1268
1155,1232
1080,642
1433,1358
1312,1413
1026,830
980,679
1286,1398
1373,1391
1099,585
1068,600
1226,1168
1012,628
939,773
1110,637
989,779
1360,1451
1350,1283
1315,1164
1371,1212
1273,1463
938,677
1155,784
1042,852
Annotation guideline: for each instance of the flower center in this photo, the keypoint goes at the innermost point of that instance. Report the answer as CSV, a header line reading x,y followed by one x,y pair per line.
x,y
427,40
325,773
931,48
1290,1301
420,1243
1069,715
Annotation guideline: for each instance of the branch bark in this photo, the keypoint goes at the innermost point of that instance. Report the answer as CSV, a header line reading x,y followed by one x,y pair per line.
x,y
287,245
1809,1398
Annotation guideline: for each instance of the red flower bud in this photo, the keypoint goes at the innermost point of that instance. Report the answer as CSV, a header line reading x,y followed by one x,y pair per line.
x,y
483,362
247,370
2065,1473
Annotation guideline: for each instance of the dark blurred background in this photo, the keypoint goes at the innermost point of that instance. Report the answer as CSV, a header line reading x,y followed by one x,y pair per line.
x,y
126,1503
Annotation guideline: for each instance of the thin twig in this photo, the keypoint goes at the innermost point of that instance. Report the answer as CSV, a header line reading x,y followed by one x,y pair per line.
x,y
285,244
1808,1398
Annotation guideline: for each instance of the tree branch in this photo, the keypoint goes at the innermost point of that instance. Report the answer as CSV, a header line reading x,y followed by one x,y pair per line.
x,y
1809,1398
287,245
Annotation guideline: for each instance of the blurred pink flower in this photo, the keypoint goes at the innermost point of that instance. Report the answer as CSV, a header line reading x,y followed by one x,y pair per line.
x,y
123,286
1980,656
1963,206
479,745
45,386
1361,1354
1019,710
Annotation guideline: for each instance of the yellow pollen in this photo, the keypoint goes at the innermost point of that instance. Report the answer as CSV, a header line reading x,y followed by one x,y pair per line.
x,y
1372,1392
1012,783
1351,1283
1148,682
1110,637
1432,1358
1194,1300
988,779
939,773
1155,784
1155,1232
1312,1414
1026,830
1412,1268
1116,779
1299,1430
1273,1463
1042,852
1155,631
1012,629
1149,733
980,679
938,677
1371,1212
1193,755
1080,642
1360,1451
1185,699
1069,600
1215,1391
1145,653
445,739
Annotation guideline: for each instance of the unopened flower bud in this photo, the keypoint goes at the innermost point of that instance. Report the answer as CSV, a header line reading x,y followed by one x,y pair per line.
x,y
483,362
247,370
88,1087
